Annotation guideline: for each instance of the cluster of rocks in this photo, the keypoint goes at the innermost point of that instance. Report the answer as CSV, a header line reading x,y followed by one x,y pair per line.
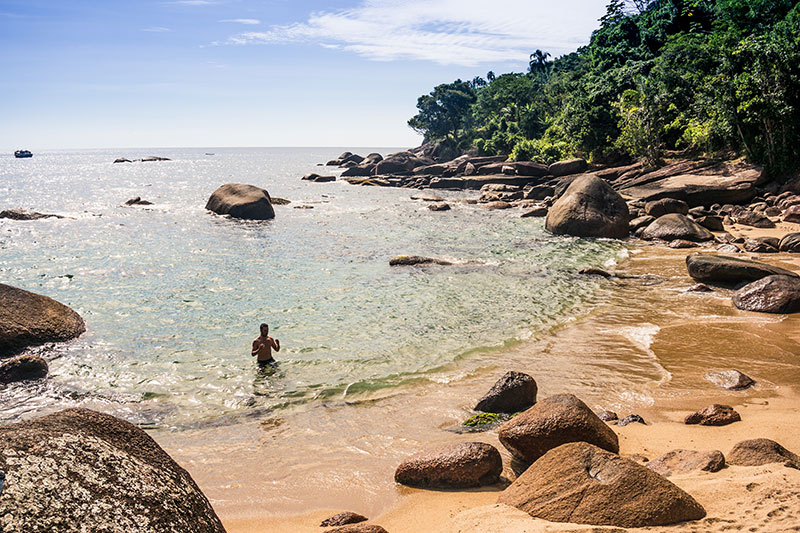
x,y
22,214
141,160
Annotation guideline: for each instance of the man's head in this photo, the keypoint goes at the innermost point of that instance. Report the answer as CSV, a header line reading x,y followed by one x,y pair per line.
x,y
265,329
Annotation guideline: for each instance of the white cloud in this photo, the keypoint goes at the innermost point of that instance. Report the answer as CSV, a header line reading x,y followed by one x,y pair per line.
x,y
243,21
157,29
460,32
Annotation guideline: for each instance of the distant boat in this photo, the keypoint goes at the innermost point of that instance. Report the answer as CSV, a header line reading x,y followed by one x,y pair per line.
x,y
23,153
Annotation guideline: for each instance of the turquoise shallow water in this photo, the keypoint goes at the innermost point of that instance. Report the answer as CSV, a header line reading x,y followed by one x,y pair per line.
x,y
173,295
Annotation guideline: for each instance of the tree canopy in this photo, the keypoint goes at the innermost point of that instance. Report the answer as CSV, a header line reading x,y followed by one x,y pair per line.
x,y
699,76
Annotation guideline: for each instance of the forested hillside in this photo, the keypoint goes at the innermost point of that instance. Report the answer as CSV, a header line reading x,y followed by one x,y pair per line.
x,y
697,76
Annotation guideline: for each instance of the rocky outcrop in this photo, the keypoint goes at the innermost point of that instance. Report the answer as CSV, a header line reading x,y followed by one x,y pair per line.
x,y
470,464
714,415
589,208
29,319
757,452
513,392
23,368
342,519
683,461
241,201
566,168
552,422
104,474
399,163
695,182
21,214
408,260
772,294
317,178
710,268
730,379
747,217
675,226
790,243
581,483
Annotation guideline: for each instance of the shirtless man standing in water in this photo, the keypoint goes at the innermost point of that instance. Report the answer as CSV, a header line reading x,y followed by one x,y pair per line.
x,y
263,345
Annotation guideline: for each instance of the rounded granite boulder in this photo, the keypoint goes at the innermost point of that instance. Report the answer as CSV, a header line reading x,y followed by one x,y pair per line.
x,y
589,207
241,201
469,464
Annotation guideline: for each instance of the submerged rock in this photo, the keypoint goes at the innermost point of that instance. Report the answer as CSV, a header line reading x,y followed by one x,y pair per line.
x,y
714,415
21,214
29,319
581,483
241,201
408,260
513,392
470,464
82,470
730,379
552,422
23,368
589,208
772,294
757,452
683,461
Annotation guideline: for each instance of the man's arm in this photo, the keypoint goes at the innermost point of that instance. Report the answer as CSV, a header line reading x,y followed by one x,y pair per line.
x,y
256,347
276,344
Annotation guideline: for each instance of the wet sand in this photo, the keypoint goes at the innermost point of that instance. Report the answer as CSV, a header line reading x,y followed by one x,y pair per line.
x,y
644,349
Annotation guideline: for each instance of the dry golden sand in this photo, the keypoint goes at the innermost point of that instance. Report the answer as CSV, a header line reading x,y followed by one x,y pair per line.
x,y
696,332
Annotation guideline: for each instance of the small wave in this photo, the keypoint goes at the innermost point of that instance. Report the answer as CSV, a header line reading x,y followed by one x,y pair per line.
x,y
643,337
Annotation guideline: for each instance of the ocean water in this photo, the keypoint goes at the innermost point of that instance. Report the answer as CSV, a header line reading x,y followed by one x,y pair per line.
x,y
173,295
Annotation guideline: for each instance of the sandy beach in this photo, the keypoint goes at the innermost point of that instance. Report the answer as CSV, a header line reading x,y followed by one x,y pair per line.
x,y
260,484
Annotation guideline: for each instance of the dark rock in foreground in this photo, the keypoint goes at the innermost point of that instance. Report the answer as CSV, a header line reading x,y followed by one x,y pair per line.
x,y
513,392
341,519
772,294
730,379
21,214
757,452
23,368
714,415
470,464
28,319
241,201
104,474
718,269
589,208
676,226
408,260
552,422
682,461
581,483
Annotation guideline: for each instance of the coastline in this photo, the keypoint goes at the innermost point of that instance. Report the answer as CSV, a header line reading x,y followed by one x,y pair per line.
x,y
685,333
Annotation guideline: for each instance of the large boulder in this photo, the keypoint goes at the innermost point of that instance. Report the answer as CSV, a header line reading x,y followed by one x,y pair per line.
x,y
79,470
400,163
513,392
772,294
757,452
710,268
28,319
790,243
241,201
23,368
529,168
683,461
552,422
469,464
362,170
675,226
589,208
581,483
565,168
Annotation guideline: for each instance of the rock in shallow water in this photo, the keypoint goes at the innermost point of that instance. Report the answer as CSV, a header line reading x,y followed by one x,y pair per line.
x,y
730,379
513,392
772,294
409,260
552,422
23,368
470,464
28,319
714,415
241,201
82,470
581,483
589,208
712,268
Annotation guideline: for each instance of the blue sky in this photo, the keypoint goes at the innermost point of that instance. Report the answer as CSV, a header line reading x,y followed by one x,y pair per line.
x,y
93,74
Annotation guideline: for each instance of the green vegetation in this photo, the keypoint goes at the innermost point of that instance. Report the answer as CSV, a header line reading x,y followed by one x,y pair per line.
x,y
699,76
481,419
